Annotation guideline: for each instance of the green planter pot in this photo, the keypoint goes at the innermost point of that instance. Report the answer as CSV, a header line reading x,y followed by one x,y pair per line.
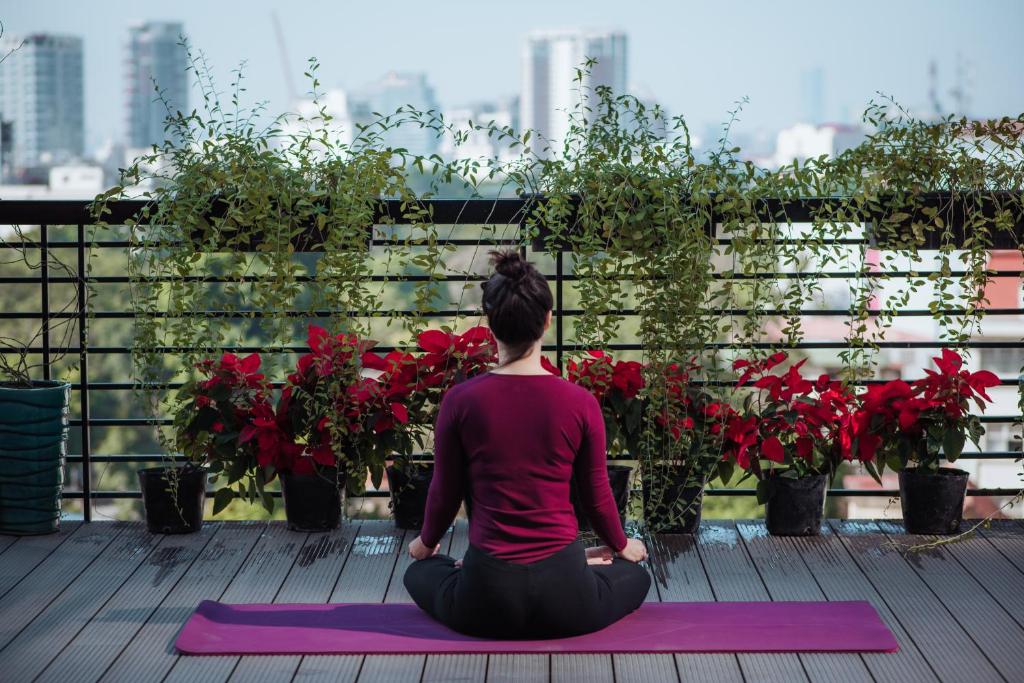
x,y
33,446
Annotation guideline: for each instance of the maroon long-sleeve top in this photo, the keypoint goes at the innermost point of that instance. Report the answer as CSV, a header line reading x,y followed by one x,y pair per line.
x,y
512,443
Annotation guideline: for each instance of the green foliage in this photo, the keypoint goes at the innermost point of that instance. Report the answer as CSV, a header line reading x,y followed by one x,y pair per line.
x,y
693,245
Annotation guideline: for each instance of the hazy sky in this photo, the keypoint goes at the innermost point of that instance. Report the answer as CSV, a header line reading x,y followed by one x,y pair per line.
x,y
697,58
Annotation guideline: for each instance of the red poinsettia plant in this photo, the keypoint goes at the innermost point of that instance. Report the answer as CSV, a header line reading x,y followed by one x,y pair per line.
x,y
925,421
789,425
338,414
616,385
214,416
692,423
446,359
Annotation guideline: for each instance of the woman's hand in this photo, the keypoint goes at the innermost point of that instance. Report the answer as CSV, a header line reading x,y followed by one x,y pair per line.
x,y
419,551
635,550
602,554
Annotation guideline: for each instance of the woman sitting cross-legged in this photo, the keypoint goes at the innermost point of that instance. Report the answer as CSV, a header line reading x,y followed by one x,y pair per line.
x,y
509,441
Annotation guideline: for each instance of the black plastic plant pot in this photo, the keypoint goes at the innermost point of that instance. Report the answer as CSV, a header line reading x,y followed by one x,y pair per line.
x,y
933,502
409,486
672,504
173,498
33,445
312,502
618,477
795,506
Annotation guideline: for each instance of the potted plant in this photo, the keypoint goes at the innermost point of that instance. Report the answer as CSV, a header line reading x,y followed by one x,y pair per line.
x,y
33,443
445,359
213,427
680,448
616,385
33,411
791,435
915,427
322,411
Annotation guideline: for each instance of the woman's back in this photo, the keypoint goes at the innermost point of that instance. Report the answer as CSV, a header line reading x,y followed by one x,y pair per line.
x,y
511,443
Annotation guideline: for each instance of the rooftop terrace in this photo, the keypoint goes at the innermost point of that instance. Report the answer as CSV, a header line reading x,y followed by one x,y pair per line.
x,y
105,600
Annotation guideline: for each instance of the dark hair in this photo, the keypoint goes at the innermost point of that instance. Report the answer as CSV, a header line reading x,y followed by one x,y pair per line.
x,y
516,301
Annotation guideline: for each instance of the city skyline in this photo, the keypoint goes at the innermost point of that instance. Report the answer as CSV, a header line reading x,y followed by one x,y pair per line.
x,y
696,59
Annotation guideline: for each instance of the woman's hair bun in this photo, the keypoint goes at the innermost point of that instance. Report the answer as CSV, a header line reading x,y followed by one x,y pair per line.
x,y
509,263
516,300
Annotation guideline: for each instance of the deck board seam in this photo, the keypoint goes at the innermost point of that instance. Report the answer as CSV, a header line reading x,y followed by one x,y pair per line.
x,y
280,587
892,610
99,608
942,602
121,528
999,550
142,624
821,589
358,526
43,559
764,584
1015,617
227,585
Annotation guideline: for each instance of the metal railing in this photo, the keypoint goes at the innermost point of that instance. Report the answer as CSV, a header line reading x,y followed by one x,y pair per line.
x,y
49,214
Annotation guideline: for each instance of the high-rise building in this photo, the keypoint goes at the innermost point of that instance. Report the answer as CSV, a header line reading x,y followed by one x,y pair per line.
x,y
812,95
410,92
156,61
41,95
550,94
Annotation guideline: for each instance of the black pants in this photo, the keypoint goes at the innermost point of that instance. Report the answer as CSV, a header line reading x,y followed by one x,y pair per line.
x,y
556,597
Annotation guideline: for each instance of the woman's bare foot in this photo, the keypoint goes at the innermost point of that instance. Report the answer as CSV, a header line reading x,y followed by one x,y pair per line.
x,y
601,554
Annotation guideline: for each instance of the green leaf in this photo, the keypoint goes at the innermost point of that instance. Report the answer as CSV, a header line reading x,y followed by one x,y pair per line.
x,y
765,490
725,470
953,444
221,499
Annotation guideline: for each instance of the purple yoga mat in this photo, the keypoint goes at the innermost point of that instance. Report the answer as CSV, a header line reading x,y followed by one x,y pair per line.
x,y
220,629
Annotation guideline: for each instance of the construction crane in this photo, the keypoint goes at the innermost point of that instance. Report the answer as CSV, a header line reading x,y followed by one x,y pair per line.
x,y
283,54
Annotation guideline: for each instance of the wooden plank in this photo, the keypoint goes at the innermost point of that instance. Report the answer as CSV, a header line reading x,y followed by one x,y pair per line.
x,y
787,578
150,654
733,577
518,669
365,578
110,630
679,576
1008,538
392,668
993,570
582,667
30,596
979,614
839,578
27,552
311,579
948,649
258,580
40,641
5,543
642,668
455,668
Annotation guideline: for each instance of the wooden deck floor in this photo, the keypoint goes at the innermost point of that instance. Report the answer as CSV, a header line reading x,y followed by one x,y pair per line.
x,y
104,601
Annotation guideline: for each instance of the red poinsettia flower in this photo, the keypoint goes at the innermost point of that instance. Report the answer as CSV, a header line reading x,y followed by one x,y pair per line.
x,y
549,366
